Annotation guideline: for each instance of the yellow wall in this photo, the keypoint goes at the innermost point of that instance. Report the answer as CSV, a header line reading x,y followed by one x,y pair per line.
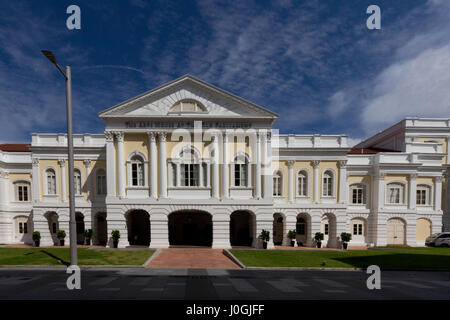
x,y
19,176
440,139
43,164
423,229
396,177
322,168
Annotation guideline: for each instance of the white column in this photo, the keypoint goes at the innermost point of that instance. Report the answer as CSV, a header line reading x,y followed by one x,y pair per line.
x,y
267,163
62,164
110,165
258,167
4,194
315,164
289,223
225,176
221,230
380,187
36,178
412,190
153,165
159,230
87,164
215,167
290,165
343,181
120,163
162,165
438,193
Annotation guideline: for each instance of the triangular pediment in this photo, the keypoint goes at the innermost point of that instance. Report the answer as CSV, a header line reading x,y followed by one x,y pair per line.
x,y
158,102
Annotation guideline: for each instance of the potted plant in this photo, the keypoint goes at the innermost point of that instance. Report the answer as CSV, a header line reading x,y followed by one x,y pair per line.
x,y
36,238
61,235
345,237
88,236
115,235
292,234
265,237
318,237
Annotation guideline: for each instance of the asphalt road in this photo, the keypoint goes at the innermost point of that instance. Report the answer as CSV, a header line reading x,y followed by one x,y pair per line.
x,y
213,284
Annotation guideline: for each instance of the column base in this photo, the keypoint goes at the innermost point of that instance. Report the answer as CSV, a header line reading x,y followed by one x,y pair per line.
x,y
159,245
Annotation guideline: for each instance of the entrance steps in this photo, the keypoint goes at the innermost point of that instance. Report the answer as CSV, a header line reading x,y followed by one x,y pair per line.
x,y
192,257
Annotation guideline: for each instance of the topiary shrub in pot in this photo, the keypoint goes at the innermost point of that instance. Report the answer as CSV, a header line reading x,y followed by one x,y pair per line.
x,y
318,237
292,234
61,235
115,235
36,238
265,237
345,237
88,236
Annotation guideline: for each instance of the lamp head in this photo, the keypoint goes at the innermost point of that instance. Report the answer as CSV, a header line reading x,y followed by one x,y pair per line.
x,y
49,56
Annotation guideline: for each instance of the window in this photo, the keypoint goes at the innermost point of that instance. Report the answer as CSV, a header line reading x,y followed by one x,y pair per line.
x,y
77,181
395,193
51,181
101,182
187,106
277,184
357,194
54,227
22,190
302,185
189,175
357,229
23,227
240,175
301,226
423,195
327,186
326,228
137,171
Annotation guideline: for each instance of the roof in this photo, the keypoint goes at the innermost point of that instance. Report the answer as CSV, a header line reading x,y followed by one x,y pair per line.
x,y
24,147
369,151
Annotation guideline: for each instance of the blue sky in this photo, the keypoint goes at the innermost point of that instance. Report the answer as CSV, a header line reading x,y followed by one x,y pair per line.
x,y
313,62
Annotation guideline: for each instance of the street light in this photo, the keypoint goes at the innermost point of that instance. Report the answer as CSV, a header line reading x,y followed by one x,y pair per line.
x,y
72,224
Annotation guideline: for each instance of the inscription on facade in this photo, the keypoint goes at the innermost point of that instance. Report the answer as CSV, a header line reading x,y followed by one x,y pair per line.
x,y
187,124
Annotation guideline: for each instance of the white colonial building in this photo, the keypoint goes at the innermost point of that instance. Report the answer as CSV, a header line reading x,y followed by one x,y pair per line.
x,y
190,164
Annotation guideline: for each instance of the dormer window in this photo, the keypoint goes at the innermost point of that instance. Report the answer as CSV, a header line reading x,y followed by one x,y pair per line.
x,y
188,106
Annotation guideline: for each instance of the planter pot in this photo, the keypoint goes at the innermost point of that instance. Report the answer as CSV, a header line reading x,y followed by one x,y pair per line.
x,y
264,245
61,242
115,243
344,245
37,243
319,244
88,241
292,243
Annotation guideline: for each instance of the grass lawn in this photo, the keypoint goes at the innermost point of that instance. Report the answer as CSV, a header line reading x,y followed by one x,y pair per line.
x,y
52,256
404,258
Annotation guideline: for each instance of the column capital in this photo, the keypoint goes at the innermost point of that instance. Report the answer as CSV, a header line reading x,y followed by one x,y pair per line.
x,y
62,163
342,164
290,163
35,162
4,174
162,135
152,136
413,176
225,137
315,163
87,163
438,179
119,136
109,136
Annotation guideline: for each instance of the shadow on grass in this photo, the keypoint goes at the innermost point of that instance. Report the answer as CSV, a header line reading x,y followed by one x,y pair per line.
x,y
399,261
56,258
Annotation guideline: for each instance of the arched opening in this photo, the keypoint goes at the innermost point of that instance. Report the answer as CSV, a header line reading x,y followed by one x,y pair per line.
x,y
396,232
278,229
303,227
21,229
242,228
423,230
328,228
53,225
191,228
79,219
358,230
102,228
138,226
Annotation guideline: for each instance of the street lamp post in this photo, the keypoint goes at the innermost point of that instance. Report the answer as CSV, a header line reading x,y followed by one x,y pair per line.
x,y
72,222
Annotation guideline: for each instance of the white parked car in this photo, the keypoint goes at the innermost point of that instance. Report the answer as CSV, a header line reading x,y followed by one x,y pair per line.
x,y
441,239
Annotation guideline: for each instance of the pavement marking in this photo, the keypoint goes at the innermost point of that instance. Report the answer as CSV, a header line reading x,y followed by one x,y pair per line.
x,y
409,283
242,285
15,280
284,286
331,283
103,281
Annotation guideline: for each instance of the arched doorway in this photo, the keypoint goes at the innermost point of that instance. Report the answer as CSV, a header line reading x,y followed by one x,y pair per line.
x,y
278,229
138,226
191,228
395,232
79,219
303,227
102,233
328,228
53,225
423,230
242,228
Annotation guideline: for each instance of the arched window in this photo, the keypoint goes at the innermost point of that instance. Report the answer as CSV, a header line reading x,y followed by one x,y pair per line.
x,y
22,191
395,193
189,168
241,171
277,184
77,181
51,181
302,184
188,106
101,182
423,195
327,184
357,194
137,171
